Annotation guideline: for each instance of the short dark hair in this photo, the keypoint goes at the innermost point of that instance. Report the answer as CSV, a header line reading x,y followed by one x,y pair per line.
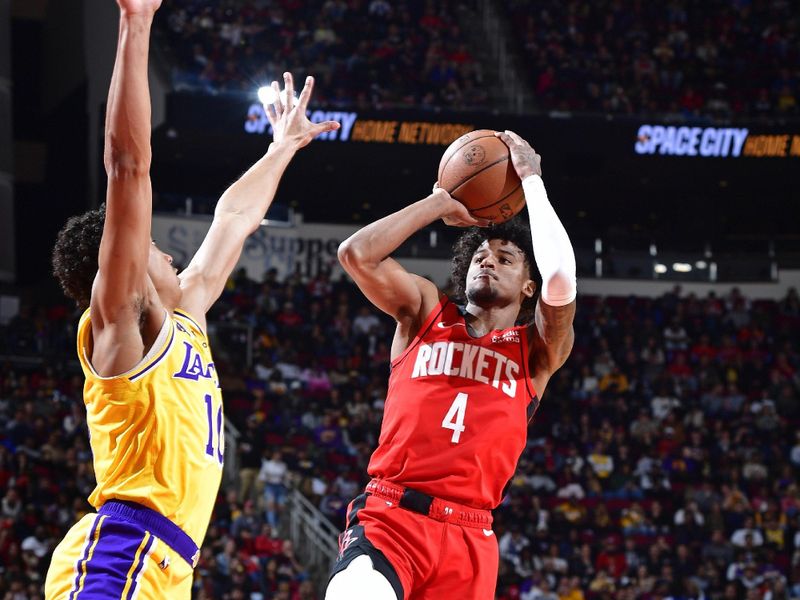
x,y
75,254
517,232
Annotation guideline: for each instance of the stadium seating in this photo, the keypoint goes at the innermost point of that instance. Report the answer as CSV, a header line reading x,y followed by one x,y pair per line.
x,y
711,59
714,59
364,54
663,459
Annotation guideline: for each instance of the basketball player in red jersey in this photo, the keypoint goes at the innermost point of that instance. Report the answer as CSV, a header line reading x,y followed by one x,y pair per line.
x,y
465,382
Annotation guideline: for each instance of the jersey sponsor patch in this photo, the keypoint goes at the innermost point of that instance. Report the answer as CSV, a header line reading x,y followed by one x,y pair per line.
x,y
508,337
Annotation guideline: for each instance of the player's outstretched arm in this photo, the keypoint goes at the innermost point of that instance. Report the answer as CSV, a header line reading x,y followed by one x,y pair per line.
x,y
244,204
121,285
555,258
365,256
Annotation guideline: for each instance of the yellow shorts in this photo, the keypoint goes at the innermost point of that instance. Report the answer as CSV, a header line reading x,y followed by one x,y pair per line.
x,y
103,557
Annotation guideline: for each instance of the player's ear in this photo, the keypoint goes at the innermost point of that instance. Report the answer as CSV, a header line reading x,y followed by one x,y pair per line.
x,y
529,288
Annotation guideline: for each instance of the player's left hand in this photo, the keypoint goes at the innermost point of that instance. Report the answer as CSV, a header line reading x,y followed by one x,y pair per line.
x,y
452,212
287,115
524,158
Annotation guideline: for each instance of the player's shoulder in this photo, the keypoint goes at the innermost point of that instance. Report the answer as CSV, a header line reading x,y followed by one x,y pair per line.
x,y
444,314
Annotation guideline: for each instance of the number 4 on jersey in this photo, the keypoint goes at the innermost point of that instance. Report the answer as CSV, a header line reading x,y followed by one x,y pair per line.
x,y
454,419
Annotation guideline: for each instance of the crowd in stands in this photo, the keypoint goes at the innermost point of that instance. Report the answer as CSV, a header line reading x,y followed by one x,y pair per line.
x,y
717,58
364,53
663,462
689,58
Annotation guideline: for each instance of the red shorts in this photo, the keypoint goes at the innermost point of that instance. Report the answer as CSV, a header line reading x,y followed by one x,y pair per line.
x,y
431,550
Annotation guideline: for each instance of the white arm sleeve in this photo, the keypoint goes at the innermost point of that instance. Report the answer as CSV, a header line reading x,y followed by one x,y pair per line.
x,y
551,246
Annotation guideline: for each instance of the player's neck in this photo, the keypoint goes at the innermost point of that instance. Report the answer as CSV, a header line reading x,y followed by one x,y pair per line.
x,y
167,298
483,319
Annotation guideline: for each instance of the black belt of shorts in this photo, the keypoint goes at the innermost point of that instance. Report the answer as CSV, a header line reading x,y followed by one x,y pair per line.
x,y
430,506
417,501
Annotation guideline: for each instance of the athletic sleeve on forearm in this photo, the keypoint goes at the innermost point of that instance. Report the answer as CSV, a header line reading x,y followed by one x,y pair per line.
x,y
551,246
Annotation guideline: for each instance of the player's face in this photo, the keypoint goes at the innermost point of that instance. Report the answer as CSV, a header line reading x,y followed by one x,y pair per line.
x,y
163,275
498,274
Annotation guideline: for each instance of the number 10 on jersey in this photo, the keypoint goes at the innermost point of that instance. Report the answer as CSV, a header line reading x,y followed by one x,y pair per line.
x,y
454,419
215,450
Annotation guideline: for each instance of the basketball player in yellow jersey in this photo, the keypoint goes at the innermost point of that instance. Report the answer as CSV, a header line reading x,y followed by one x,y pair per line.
x,y
152,397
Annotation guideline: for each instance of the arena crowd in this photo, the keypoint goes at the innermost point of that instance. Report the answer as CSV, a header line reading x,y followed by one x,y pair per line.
x,y
711,59
663,461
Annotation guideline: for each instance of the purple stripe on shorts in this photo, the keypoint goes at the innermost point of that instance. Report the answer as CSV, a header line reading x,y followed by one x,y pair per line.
x,y
83,558
140,567
107,572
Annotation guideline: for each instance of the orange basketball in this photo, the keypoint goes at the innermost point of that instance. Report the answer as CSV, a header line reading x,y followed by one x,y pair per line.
x,y
476,170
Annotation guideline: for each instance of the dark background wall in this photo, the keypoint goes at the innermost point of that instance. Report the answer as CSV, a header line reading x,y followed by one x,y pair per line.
x,y
50,126
7,266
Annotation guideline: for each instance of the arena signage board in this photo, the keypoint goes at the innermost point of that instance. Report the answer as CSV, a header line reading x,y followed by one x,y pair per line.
x,y
602,169
306,249
387,131
713,142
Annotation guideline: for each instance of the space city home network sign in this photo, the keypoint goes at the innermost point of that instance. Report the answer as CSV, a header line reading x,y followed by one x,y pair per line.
x,y
306,249
358,129
714,142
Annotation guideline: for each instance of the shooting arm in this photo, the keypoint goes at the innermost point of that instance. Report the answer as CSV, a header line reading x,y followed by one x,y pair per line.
x,y
555,258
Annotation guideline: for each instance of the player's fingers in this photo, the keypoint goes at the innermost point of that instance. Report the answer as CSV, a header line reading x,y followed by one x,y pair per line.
x,y
326,126
305,95
504,137
466,218
288,86
277,104
477,221
271,116
516,137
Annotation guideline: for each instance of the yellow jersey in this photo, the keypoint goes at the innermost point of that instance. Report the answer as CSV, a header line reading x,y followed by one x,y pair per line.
x,y
157,431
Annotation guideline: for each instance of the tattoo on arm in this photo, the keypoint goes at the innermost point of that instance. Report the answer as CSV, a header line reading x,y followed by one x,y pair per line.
x,y
554,325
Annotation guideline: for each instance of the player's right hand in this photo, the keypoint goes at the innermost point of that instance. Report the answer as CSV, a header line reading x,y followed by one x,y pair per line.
x,y
139,7
288,116
454,213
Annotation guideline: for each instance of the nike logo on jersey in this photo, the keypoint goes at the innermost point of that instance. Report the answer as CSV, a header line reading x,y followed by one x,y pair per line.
x,y
456,359
488,532
449,325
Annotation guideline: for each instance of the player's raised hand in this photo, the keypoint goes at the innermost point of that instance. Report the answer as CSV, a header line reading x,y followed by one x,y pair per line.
x,y
454,213
288,116
139,7
524,158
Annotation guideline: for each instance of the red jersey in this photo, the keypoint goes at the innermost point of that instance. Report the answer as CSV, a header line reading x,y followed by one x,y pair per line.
x,y
456,415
